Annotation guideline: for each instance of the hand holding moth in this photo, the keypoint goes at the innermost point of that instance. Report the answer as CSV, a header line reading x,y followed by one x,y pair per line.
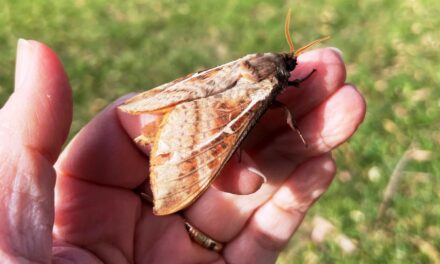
x,y
96,217
328,112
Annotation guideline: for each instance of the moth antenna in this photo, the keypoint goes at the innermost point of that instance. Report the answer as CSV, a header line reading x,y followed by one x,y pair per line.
x,y
313,43
287,32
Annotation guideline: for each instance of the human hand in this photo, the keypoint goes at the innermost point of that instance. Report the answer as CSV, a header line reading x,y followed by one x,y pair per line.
x,y
98,218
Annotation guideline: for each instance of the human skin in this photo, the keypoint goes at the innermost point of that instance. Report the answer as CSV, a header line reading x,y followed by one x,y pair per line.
x,y
77,205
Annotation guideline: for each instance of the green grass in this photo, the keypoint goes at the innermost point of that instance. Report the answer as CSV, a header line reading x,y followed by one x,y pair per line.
x,y
392,52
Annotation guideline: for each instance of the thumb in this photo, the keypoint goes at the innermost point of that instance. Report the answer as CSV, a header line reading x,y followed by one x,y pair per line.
x,y
34,124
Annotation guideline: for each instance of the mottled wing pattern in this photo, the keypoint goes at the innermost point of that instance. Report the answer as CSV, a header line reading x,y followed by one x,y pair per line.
x,y
188,88
196,138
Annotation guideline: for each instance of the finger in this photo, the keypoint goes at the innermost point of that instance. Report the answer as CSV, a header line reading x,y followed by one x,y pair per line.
x,y
103,153
329,76
33,126
273,224
41,105
277,162
324,128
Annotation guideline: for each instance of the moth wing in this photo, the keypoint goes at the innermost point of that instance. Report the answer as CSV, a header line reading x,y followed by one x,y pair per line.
x,y
188,88
197,138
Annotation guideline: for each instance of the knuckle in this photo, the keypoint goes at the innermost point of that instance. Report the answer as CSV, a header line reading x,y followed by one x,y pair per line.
x,y
269,242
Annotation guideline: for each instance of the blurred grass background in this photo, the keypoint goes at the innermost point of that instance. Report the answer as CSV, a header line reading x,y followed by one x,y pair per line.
x,y
392,52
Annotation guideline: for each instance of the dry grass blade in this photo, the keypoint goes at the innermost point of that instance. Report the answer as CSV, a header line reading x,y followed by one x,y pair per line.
x,y
394,182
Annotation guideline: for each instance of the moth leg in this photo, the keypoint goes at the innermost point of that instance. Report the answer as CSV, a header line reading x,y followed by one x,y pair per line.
x,y
140,190
290,118
146,197
238,152
297,82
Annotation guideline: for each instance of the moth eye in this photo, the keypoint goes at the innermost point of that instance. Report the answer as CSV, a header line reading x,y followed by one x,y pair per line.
x,y
291,64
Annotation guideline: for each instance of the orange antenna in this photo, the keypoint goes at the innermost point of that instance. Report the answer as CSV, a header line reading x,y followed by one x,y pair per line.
x,y
313,43
287,32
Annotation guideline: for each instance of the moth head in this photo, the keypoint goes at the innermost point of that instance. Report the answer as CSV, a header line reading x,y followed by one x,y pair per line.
x,y
293,54
290,61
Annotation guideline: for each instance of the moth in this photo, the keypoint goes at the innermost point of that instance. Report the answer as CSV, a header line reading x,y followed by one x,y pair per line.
x,y
203,118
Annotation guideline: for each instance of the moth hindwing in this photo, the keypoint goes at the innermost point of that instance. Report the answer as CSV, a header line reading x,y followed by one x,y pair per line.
x,y
203,118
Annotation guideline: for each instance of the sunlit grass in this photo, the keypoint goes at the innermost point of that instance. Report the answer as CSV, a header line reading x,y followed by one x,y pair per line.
x,y
392,52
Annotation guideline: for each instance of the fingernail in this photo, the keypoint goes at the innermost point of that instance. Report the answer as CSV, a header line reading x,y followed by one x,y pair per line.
x,y
24,61
252,167
258,173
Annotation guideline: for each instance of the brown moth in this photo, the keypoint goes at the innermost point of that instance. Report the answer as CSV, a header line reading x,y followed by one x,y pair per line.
x,y
203,118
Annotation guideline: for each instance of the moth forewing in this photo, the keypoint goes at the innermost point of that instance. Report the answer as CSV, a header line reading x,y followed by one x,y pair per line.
x,y
188,88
